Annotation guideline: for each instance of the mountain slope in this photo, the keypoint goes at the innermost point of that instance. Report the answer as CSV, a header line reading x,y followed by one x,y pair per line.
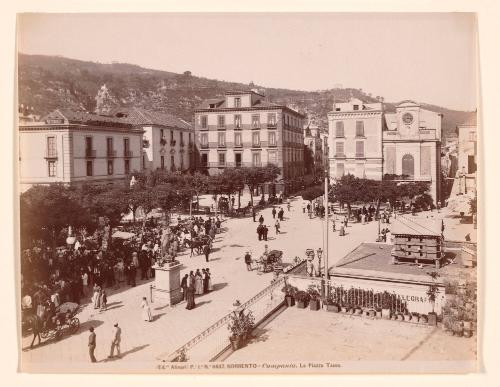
x,y
49,82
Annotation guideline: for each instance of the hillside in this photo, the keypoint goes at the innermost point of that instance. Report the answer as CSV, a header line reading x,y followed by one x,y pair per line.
x,y
49,82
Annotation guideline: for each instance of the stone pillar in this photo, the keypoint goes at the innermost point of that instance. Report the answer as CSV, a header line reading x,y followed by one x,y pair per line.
x,y
168,283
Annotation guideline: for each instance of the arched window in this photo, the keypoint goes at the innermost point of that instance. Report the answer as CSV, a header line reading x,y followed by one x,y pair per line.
x,y
408,165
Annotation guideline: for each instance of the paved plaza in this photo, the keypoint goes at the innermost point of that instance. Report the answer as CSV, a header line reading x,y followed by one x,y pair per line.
x,y
143,342
350,338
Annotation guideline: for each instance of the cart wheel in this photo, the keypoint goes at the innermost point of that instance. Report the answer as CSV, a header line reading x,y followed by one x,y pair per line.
x,y
58,334
74,325
44,334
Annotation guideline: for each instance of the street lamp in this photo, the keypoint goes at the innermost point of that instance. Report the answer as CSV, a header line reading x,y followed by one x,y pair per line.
x,y
319,252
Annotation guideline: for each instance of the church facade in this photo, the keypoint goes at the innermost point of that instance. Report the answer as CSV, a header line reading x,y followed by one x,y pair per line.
x,y
368,142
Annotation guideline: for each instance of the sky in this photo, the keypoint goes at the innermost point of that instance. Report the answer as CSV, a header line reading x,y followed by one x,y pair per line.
x,y
424,57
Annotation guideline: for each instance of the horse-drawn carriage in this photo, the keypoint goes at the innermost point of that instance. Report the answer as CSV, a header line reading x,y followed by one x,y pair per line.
x,y
198,243
269,262
63,320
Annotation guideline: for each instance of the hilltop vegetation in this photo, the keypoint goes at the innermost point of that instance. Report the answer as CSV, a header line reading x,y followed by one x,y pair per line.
x,y
50,82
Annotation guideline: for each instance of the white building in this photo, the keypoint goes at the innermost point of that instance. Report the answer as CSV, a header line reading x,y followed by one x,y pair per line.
x,y
77,147
368,142
168,140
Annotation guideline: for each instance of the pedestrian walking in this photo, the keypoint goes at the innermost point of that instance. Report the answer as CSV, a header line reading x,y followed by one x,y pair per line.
x,y
205,280
254,214
288,205
274,212
248,261
265,230
115,342
184,285
198,283
85,283
259,231
104,300
277,226
146,310
92,345
261,219
210,286
36,327
190,292
206,251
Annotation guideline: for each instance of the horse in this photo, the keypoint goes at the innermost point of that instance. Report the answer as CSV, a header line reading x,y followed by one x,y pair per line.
x,y
198,243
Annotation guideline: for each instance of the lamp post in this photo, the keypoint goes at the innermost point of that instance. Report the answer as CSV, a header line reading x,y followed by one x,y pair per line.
x,y
319,252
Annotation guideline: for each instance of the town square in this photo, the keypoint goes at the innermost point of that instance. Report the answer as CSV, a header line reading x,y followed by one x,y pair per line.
x,y
170,221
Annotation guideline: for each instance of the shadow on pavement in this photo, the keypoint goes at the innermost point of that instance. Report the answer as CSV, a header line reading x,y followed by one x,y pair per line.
x,y
123,354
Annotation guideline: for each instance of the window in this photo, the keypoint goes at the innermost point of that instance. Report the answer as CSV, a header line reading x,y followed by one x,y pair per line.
x,y
237,102
339,129
204,140
222,159
360,149
221,122
110,167
171,135
271,119
272,158
355,107
51,147
222,139
127,167
237,121
52,168
256,121
172,163
203,122
256,139
88,147
272,138
237,139
162,134
126,147
109,146
182,138
190,142
90,169
360,129
256,159
337,109
162,162
204,159
182,163
339,149
237,159
340,170
408,165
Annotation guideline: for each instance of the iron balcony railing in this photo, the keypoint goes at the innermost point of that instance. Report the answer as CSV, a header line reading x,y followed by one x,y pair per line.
x,y
128,153
90,153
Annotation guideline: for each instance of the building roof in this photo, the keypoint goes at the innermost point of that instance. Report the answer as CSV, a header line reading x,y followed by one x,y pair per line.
x,y
68,116
220,103
373,260
410,225
137,116
471,120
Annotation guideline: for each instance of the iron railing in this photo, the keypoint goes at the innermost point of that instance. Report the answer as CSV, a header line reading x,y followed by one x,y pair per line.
x,y
215,339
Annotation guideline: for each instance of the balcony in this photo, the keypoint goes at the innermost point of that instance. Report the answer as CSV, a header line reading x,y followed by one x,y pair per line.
x,y
256,145
90,153
128,153
172,142
340,155
221,145
360,155
204,146
110,153
240,145
181,143
51,154
272,125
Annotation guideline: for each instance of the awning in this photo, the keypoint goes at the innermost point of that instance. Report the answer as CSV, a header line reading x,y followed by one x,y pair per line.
x,y
123,235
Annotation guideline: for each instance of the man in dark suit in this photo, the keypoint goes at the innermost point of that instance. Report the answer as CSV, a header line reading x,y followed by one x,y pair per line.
x,y
206,251
36,326
92,344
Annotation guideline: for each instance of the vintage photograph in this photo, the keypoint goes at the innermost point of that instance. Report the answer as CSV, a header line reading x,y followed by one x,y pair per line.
x,y
247,192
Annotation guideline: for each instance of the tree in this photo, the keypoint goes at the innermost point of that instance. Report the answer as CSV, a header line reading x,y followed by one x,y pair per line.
x,y
254,177
46,210
166,196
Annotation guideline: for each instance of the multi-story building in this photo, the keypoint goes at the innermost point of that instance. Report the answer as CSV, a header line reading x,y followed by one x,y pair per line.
x,y
355,139
467,145
314,146
168,140
242,130
368,142
77,147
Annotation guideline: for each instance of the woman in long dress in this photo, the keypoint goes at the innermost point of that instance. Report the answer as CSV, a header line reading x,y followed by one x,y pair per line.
x,y
97,297
210,287
190,292
198,283
146,310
